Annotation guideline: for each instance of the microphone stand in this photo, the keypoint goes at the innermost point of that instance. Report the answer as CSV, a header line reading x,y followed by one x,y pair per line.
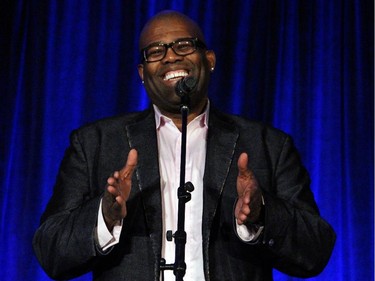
x,y
184,196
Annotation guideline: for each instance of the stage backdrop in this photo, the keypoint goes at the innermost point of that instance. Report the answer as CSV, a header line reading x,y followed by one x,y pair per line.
x,y
305,67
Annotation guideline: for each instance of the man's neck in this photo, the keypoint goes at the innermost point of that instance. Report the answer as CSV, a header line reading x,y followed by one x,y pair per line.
x,y
176,117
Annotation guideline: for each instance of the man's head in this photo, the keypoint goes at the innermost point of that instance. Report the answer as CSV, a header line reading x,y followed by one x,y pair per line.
x,y
160,72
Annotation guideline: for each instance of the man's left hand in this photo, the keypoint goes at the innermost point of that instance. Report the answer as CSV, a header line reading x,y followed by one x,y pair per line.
x,y
249,203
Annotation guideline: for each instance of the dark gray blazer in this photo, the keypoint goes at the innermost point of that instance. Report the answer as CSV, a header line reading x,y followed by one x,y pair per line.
x,y
296,240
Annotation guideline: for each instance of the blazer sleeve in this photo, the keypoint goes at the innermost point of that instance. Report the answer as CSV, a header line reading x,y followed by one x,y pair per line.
x,y
64,242
298,240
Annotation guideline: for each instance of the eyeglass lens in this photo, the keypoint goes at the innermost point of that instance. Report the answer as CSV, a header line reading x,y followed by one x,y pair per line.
x,y
158,52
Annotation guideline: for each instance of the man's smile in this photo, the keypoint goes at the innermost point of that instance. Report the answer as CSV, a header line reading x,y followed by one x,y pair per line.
x,y
175,74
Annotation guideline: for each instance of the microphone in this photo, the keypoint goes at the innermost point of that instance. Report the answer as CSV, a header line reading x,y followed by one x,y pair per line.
x,y
185,86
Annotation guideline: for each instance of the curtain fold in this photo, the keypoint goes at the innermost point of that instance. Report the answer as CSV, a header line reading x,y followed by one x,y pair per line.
x,y
305,67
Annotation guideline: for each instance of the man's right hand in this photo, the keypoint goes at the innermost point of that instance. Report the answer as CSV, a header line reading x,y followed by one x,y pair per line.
x,y
117,192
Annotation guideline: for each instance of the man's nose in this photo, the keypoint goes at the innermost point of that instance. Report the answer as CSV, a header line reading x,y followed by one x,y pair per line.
x,y
171,56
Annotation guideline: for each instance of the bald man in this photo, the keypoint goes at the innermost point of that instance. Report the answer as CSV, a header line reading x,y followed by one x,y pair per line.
x,y
252,209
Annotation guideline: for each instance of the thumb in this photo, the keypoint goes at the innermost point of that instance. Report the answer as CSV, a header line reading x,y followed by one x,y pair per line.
x,y
244,174
126,173
242,164
131,163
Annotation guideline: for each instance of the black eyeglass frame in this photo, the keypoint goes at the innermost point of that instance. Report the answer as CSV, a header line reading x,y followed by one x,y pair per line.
x,y
196,44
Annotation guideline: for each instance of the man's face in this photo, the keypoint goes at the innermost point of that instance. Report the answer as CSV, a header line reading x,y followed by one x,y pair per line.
x,y
160,77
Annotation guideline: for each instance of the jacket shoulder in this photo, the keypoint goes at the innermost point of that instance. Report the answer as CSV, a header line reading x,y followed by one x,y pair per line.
x,y
245,126
113,124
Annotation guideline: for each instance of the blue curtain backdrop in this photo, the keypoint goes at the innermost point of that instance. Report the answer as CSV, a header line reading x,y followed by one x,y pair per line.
x,y
304,66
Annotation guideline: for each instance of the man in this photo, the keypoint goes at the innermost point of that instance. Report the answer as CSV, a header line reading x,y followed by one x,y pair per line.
x,y
251,211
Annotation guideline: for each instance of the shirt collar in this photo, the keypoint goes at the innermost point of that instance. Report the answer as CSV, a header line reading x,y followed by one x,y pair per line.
x,y
161,119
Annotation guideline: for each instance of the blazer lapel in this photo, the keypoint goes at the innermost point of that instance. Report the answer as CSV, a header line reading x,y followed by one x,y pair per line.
x,y
221,144
142,136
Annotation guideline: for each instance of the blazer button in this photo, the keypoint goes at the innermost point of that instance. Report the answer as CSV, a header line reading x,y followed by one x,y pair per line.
x,y
271,242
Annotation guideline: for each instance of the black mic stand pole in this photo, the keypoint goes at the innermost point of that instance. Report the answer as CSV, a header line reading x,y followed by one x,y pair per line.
x,y
183,193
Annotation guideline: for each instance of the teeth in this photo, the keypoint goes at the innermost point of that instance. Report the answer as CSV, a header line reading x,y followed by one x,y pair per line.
x,y
174,74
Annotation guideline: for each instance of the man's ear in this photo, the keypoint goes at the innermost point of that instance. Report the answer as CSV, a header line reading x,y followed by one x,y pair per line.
x,y
140,71
211,58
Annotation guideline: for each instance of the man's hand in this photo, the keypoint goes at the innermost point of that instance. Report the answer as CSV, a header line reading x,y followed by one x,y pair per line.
x,y
249,203
117,191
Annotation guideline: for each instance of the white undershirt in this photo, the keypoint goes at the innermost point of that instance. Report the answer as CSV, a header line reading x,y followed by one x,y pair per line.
x,y
169,147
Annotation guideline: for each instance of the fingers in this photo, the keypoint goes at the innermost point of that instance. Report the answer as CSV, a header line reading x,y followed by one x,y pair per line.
x,y
247,190
118,190
243,208
119,184
113,185
115,191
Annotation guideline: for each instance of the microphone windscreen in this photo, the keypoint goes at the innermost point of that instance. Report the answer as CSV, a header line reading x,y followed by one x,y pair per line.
x,y
185,85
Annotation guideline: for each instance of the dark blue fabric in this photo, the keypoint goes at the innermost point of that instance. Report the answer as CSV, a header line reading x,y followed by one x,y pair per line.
x,y
304,66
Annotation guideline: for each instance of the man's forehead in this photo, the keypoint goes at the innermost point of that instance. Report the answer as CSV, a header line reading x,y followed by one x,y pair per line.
x,y
169,26
165,35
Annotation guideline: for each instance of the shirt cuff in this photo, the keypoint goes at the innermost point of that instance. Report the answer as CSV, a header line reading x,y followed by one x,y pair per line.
x,y
106,239
248,233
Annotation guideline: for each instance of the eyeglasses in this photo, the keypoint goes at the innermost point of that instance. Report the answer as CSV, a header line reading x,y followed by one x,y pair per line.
x,y
182,47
